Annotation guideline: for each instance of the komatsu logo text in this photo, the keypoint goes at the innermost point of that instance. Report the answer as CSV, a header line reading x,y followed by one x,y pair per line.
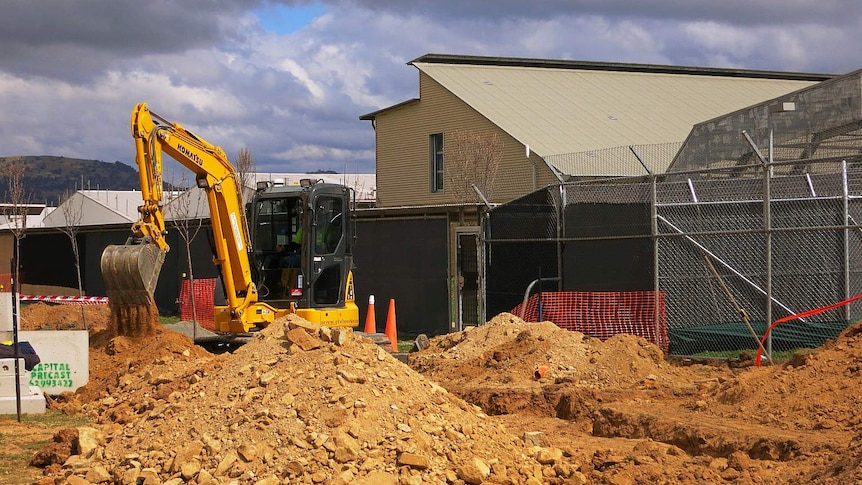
x,y
188,153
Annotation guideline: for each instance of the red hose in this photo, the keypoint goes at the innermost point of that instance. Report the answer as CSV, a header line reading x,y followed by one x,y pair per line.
x,y
801,315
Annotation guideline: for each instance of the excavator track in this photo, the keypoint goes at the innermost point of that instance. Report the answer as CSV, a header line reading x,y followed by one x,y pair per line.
x,y
130,273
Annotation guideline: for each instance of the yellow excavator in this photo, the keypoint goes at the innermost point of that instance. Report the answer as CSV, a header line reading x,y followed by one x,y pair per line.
x,y
296,256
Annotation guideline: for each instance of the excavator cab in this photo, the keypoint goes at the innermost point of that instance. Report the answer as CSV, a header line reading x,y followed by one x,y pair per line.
x,y
276,246
302,239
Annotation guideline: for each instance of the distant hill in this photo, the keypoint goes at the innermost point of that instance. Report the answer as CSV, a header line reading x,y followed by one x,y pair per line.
x,y
47,177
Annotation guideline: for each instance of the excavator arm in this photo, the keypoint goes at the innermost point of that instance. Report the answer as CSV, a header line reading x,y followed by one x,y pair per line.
x,y
130,271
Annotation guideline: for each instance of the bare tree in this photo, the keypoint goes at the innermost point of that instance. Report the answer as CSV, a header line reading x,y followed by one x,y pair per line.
x,y
187,221
17,196
16,212
73,212
17,215
472,158
244,169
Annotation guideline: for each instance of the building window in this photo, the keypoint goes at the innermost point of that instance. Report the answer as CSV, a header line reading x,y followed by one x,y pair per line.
x,y
436,152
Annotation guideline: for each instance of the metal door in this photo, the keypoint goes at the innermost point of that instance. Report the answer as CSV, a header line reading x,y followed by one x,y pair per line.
x,y
467,285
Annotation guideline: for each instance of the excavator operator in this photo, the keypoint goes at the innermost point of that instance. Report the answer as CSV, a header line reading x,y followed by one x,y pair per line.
x,y
290,252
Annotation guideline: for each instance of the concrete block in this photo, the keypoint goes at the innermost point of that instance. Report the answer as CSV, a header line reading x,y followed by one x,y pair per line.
x,y
65,359
32,402
7,385
7,367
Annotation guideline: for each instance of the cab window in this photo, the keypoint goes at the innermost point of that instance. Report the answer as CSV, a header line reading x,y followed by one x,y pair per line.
x,y
329,227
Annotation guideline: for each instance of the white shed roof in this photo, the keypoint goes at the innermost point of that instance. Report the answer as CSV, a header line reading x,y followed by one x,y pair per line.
x,y
96,207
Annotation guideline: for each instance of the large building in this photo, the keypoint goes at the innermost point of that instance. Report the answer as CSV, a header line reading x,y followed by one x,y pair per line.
x,y
555,119
487,130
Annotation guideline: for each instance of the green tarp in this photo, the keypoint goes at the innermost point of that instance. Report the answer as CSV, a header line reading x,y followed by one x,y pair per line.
x,y
726,336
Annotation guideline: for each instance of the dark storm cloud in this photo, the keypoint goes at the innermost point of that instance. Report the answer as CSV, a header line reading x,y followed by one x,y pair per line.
x,y
739,12
63,38
126,25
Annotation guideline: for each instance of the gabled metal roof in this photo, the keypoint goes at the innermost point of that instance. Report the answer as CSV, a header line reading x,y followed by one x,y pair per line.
x,y
96,207
562,107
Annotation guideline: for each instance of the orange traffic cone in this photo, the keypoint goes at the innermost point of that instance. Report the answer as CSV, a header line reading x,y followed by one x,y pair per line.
x,y
391,332
370,319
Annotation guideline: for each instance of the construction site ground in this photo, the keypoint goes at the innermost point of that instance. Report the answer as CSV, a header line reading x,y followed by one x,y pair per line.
x,y
300,404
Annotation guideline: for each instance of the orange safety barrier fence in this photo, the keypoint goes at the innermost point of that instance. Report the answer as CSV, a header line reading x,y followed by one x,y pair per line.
x,y
6,287
204,304
601,314
66,300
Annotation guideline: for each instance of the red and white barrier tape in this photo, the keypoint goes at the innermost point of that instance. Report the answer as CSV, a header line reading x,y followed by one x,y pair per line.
x,y
86,300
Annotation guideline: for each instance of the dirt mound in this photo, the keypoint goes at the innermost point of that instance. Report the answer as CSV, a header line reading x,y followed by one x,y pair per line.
x,y
301,404
296,404
507,351
46,316
785,421
162,355
815,391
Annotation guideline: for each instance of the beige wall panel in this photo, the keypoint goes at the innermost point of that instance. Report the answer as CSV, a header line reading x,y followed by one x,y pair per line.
x,y
403,163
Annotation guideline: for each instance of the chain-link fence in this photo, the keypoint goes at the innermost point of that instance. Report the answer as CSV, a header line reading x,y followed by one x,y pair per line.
x,y
728,250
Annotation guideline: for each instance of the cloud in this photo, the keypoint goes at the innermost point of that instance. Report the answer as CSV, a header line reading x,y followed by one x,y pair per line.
x,y
741,12
78,39
71,72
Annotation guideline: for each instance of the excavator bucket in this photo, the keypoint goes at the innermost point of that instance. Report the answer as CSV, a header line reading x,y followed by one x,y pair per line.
x,y
130,273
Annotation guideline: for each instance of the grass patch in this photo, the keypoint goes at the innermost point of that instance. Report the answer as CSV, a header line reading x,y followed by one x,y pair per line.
x,y
50,419
20,440
169,319
405,345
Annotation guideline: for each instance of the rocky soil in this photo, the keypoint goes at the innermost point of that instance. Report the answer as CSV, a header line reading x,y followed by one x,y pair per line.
x,y
508,402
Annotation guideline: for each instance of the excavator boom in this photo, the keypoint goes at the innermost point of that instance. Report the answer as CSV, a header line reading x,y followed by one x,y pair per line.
x,y
130,271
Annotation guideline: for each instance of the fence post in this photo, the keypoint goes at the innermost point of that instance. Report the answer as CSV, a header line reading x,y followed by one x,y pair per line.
x,y
767,223
16,308
540,293
845,194
561,232
655,258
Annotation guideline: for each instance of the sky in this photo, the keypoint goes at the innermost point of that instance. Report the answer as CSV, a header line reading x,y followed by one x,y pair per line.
x,y
289,79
